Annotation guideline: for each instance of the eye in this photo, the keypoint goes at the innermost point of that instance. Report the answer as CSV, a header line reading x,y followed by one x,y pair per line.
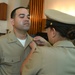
x,y
22,16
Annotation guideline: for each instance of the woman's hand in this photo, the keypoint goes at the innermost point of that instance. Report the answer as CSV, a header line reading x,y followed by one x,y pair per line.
x,y
40,40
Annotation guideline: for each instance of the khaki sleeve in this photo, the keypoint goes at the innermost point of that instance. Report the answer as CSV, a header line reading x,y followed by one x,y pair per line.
x,y
47,44
34,64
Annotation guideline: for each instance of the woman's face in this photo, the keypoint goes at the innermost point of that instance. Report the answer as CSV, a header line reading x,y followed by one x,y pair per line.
x,y
51,33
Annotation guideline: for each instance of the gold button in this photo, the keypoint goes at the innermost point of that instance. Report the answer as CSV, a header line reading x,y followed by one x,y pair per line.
x,y
51,23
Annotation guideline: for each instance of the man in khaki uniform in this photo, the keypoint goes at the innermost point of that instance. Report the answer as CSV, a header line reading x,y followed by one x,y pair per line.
x,y
59,59
14,46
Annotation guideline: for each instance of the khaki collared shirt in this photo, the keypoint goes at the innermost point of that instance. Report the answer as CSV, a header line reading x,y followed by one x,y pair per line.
x,y
12,54
58,59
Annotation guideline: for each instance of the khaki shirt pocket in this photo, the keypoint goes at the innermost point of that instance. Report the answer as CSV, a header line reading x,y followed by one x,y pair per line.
x,y
11,64
10,60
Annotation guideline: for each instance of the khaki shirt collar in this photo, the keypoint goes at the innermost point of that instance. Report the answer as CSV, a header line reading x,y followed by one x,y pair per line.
x,y
12,38
64,43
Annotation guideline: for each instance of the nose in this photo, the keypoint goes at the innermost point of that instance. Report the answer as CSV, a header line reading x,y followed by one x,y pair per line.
x,y
26,18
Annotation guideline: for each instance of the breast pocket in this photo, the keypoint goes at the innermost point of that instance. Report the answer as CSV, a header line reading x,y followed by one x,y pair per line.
x,y
11,64
10,60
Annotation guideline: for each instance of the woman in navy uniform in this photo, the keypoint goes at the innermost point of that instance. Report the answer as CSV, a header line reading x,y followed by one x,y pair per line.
x,y
58,59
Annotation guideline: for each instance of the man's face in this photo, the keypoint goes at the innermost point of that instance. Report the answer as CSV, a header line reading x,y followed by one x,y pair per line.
x,y
21,21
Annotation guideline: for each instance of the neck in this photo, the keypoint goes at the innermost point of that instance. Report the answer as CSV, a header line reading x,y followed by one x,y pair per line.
x,y
21,35
59,39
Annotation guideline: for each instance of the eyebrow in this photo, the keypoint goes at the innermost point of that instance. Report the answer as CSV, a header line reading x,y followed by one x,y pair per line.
x,y
24,14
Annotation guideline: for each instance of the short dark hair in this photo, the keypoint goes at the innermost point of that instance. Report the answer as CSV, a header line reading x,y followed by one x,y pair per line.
x,y
13,12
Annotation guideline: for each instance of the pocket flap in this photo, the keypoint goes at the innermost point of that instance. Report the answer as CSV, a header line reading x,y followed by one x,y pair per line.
x,y
10,59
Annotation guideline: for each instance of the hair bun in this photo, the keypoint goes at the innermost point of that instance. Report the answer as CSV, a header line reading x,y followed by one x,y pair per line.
x,y
71,34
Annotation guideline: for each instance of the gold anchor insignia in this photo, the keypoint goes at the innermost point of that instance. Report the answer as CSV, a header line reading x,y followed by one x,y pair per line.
x,y
51,23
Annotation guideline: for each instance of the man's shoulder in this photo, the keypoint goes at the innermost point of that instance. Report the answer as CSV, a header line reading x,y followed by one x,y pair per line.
x,y
6,36
3,36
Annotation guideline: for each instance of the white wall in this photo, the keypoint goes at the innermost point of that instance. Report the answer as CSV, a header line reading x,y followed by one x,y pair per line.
x,y
24,3
6,1
67,6
3,24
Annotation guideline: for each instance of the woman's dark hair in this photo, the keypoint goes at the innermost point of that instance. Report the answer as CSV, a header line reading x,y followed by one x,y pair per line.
x,y
71,33
65,30
14,11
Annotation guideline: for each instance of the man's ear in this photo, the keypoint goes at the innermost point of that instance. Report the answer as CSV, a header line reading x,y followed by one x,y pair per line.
x,y
12,21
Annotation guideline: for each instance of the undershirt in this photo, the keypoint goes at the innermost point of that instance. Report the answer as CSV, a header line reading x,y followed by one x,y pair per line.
x,y
22,41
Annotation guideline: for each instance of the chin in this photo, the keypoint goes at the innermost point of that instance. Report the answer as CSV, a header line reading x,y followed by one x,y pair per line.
x,y
26,29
